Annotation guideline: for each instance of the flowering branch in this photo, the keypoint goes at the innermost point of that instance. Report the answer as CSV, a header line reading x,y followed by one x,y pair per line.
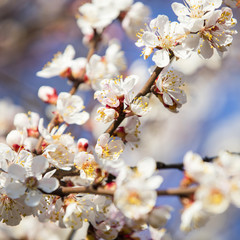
x,y
77,81
145,90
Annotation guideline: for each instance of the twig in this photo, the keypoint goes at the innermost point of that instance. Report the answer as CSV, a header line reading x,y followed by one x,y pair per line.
x,y
179,166
65,191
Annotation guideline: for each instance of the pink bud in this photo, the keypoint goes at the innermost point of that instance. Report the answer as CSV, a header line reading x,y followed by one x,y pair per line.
x,y
82,144
48,94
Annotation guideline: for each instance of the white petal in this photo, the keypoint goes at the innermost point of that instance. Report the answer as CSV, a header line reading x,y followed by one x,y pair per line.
x,y
150,39
48,184
39,165
33,198
161,58
146,167
154,182
77,118
206,51
15,190
167,99
17,172
179,9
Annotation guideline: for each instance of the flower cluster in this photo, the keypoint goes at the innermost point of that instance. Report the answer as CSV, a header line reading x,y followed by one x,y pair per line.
x,y
90,183
218,187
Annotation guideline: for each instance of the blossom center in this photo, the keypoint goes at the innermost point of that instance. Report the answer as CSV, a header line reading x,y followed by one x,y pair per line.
x,y
31,182
134,198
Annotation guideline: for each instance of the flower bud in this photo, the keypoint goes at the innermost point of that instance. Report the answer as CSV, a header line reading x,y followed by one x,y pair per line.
x,y
82,144
16,138
48,94
21,120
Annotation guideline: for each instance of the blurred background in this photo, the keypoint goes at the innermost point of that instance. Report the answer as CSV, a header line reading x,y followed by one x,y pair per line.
x,y
31,32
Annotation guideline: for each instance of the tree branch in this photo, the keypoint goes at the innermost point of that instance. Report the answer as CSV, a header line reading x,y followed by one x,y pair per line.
x,y
65,191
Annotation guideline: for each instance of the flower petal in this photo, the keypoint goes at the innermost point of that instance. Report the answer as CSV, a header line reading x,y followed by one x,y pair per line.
x,y
15,190
33,198
39,165
48,184
161,58
17,172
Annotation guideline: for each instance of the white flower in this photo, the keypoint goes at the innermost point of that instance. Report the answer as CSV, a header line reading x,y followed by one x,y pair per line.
x,y
106,114
79,211
135,18
195,12
134,199
135,195
138,106
60,155
28,184
115,90
87,165
215,33
108,66
108,151
201,171
55,135
214,197
129,133
168,89
48,94
96,15
69,107
166,37
59,65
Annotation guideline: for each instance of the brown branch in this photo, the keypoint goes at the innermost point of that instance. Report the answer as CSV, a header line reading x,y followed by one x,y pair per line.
x,y
65,191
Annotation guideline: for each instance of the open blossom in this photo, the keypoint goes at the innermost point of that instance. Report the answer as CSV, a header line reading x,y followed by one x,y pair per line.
x,y
193,14
135,195
108,151
114,90
59,65
29,183
108,66
95,16
214,33
64,65
106,114
70,107
168,89
165,37
87,165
